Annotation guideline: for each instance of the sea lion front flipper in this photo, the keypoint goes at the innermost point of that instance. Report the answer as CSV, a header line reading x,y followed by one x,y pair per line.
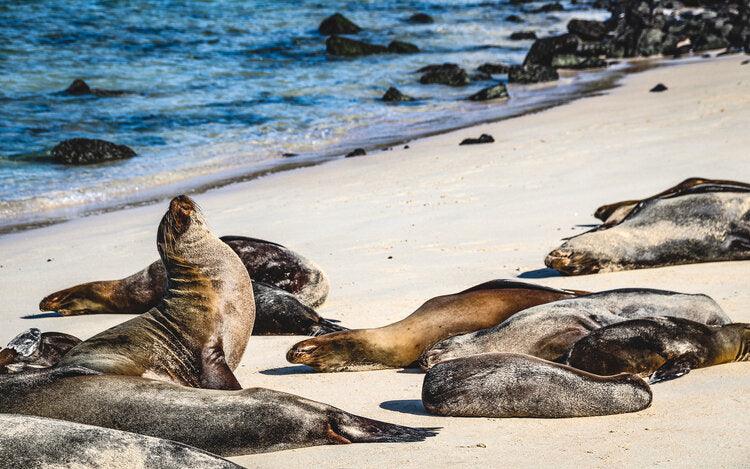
x,y
215,373
673,368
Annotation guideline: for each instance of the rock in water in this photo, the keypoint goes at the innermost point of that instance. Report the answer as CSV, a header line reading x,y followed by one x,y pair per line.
x,y
493,68
549,7
658,88
401,47
81,151
532,74
341,46
522,35
545,49
484,138
577,62
587,30
356,152
394,95
420,18
498,91
338,24
514,19
444,74
78,88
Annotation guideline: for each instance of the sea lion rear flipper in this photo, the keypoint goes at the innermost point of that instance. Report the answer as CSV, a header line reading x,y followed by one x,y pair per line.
x,y
673,368
215,373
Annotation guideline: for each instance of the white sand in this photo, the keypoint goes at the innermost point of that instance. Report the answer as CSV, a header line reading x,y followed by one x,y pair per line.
x,y
452,217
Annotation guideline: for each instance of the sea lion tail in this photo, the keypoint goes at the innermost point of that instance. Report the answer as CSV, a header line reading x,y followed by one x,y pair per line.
x,y
326,326
344,427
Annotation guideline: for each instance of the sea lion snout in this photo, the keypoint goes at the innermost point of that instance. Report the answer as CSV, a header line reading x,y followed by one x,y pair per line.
x,y
181,210
569,262
300,353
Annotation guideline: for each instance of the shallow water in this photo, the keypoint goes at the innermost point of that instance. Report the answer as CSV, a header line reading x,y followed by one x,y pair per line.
x,y
219,89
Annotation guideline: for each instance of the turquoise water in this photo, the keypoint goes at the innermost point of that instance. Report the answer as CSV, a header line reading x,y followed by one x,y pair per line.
x,y
220,89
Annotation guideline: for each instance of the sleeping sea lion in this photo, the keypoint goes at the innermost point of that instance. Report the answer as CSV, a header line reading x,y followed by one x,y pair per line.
x,y
512,385
684,229
659,348
276,271
547,331
400,344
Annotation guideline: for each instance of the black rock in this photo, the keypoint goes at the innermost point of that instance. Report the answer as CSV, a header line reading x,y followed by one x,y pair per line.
x,y
514,19
445,74
549,7
659,88
587,29
400,47
480,76
338,24
498,91
577,62
650,42
532,73
394,95
356,152
545,49
484,138
81,88
523,35
341,46
420,18
493,68
81,151
289,155
745,62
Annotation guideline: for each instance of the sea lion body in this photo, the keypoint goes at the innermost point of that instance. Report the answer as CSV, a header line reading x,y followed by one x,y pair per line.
x,y
274,269
690,228
662,348
548,331
35,442
512,385
400,344
228,423
197,334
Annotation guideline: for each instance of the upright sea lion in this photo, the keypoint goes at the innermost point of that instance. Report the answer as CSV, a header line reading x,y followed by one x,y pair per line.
x,y
228,423
684,229
662,348
511,385
35,442
547,331
400,344
612,214
274,269
35,349
198,332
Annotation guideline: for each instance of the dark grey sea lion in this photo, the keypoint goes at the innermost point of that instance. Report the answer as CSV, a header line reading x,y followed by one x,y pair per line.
x,y
35,349
549,330
273,268
35,442
511,385
681,229
401,343
228,423
198,332
659,348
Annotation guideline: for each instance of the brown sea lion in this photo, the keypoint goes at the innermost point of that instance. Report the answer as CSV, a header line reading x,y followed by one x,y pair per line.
x,y
35,442
512,385
683,229
660,348
35,349
228,423
612,214
275,270
198,332
400,344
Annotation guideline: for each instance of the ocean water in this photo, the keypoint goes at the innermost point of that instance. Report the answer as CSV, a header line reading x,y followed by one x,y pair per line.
x,y
219,89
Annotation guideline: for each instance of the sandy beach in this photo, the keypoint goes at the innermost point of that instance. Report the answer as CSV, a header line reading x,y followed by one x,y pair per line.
x,y
395,228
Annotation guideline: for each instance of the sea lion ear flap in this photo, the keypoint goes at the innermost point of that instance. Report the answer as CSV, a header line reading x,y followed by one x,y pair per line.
x,y
215,373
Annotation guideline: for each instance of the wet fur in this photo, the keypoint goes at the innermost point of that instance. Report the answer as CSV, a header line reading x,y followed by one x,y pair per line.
x,y
511,385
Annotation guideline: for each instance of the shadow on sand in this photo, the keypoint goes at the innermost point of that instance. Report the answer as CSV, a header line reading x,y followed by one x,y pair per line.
x,y
540,273
287,370
51,314
405,406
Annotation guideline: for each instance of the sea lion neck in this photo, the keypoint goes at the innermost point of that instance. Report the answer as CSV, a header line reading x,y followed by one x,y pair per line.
x,y
732,343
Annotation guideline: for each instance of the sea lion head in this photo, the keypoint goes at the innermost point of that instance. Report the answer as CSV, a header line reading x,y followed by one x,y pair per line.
x,y
86,298
182,234
569,261
338,351
734,343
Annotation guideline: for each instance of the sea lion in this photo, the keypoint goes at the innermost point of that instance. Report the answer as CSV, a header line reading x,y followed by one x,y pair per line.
x,y
198,332
612,214
35,349
228,423
512,385
659,348
400,344
547,331
35,442
684,229
273,268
